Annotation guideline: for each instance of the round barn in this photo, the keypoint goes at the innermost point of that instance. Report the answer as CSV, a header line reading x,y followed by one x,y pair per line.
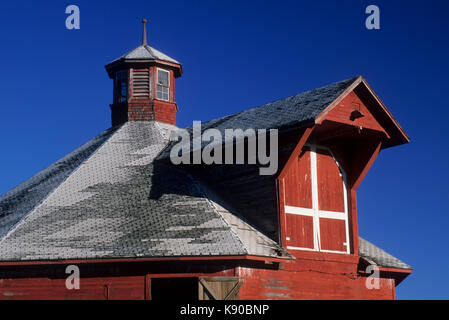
x,y
137,226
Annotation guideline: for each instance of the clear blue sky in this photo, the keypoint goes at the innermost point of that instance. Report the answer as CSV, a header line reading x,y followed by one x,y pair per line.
x,y
55,93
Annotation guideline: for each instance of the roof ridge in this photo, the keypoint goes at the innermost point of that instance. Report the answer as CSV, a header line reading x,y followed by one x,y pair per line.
x,y
286,98
296,110
208,194
150,51
202,191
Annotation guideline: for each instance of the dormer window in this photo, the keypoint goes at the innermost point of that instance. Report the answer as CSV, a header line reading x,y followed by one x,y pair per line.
x,y
121,86
163,85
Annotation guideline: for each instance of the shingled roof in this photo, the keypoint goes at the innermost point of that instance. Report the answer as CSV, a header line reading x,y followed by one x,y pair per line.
x,y
145,52
375,255
108,199
111,198
297,111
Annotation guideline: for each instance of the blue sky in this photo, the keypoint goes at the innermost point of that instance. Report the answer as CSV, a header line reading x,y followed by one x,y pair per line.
x,y
240,54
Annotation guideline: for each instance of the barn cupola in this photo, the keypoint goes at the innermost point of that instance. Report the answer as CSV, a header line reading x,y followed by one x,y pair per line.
x,y
144,85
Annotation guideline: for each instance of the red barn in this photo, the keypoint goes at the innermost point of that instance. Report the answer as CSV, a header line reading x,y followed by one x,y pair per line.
x,y
138,226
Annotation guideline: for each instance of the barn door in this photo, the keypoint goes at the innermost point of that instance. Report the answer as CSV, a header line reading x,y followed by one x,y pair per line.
x,y
315,203
332,203
219,288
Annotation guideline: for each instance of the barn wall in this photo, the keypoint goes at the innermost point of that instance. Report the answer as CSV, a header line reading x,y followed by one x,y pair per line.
x,y
101,281
311,280
301,279
99,288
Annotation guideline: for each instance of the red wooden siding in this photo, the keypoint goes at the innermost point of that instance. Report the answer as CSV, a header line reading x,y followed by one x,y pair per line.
x,y
142,103
343,113
104,288
299,231
317,280
298,184
327,276
172,85
298,193
332,234
330,198
330,186
47,282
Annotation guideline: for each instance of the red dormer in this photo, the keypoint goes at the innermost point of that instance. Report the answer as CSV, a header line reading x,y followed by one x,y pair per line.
x,y
317,185
144,85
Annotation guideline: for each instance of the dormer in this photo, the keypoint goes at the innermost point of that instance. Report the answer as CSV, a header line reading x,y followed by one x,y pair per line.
x,y
144,85
317,185
328,138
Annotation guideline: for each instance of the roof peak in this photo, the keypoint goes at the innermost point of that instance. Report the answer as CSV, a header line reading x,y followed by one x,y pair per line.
x,y
144,51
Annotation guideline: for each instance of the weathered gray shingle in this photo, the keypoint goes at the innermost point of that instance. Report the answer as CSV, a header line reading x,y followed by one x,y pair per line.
x,y
377,256
145,52
295,111
18,202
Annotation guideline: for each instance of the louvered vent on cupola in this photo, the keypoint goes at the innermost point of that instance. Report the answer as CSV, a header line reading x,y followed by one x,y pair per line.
x,y
141,86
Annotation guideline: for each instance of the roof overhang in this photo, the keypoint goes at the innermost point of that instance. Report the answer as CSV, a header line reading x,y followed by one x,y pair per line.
x,y
398,274
267,260
124,63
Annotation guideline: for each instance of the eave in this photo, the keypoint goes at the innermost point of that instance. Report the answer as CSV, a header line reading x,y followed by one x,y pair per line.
x,y
149,259
398,274
112,67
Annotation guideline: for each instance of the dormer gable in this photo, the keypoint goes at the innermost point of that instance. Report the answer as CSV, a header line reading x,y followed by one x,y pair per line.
x,y
358,106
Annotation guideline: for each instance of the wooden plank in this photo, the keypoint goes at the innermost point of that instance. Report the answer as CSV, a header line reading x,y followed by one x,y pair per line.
x,y
147,287
344,111
296,152
200,292
208,289
312,280
330,183
352,220
299,231
323,114
97,288
333,234
385,110
128,260
367,166
298,183
221,278
233,294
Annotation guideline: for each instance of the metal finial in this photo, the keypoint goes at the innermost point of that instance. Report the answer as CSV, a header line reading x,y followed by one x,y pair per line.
x,y
144,34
